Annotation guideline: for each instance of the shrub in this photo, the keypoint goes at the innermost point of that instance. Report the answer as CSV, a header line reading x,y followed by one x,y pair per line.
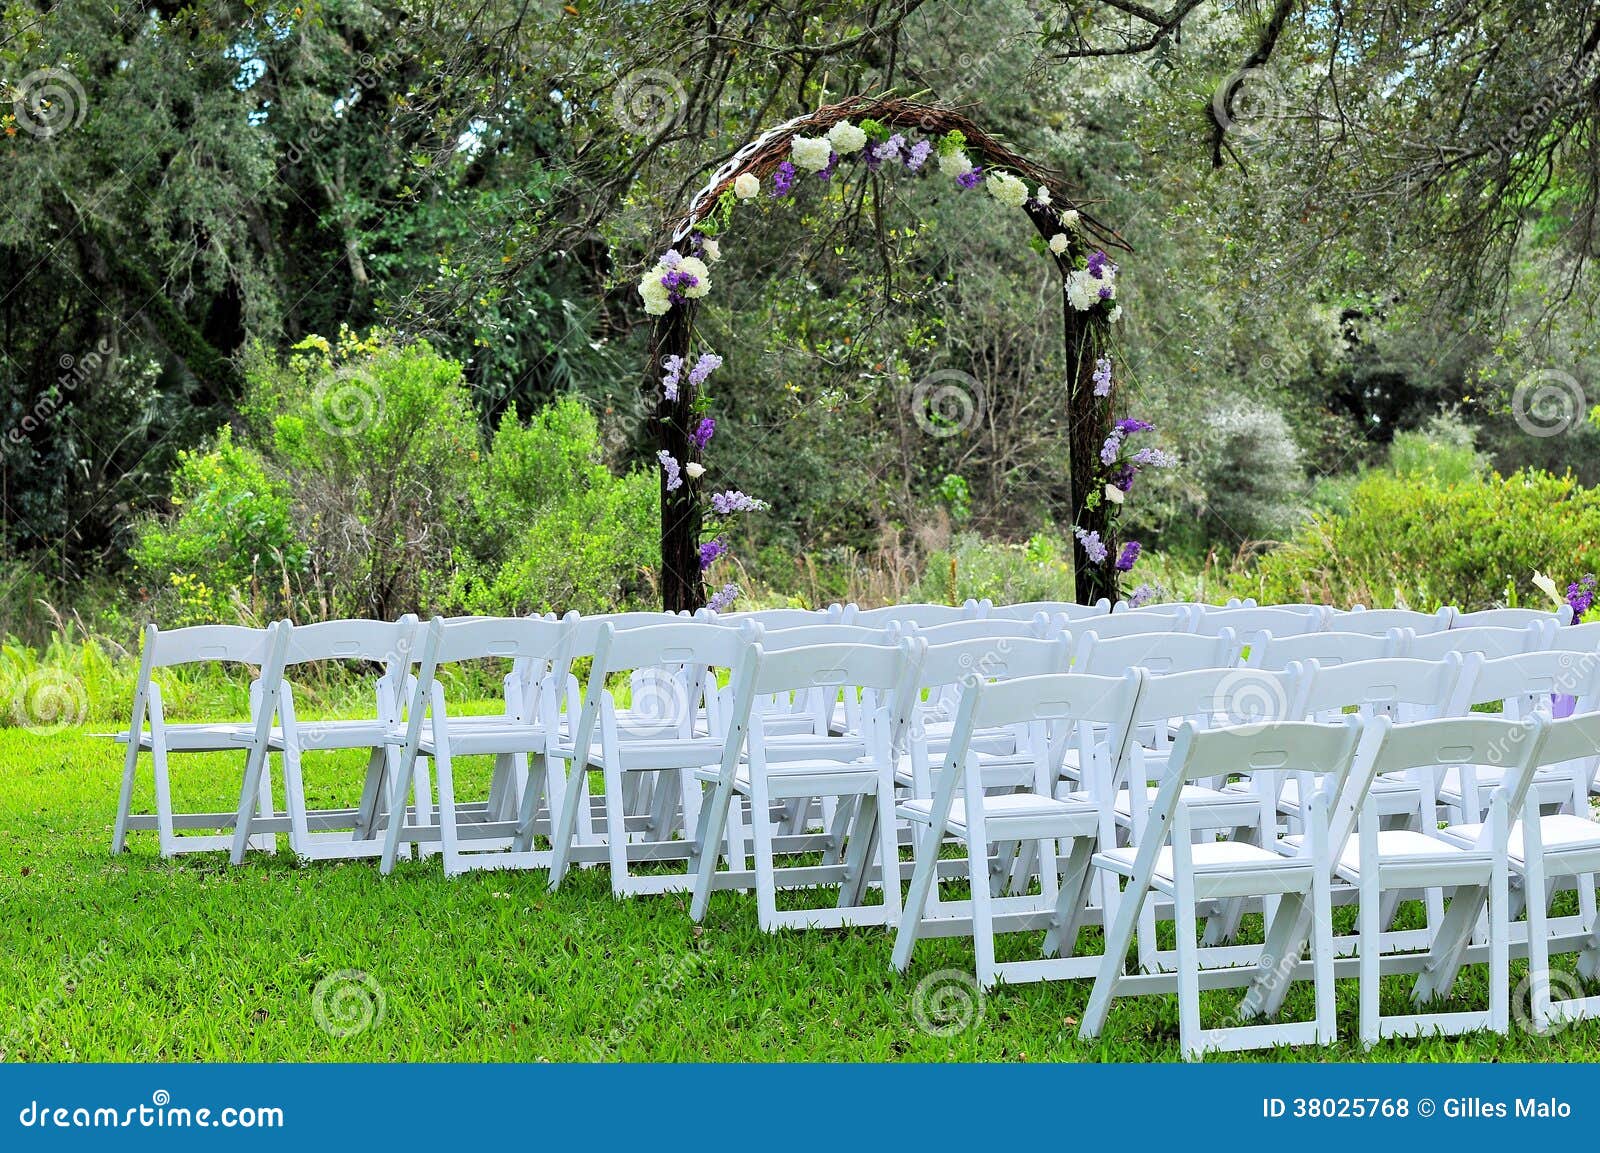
x,y
1249,468
1039,570
1418,541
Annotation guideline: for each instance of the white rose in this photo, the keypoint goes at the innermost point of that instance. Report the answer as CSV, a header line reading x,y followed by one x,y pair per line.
x,y
1113,493
846,138
746,186
1115,314
712,249
695,469
1007,189
811,153
696,268
955,164
1082,289
1058,243
1070,218
1042,195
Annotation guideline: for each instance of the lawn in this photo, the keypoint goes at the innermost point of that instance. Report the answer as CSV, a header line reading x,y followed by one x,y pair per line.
x,y
136,959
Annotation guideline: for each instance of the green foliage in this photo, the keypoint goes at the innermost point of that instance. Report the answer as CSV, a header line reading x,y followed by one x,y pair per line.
x,y
233,532
1039,570
1420,542
1443,450
549,527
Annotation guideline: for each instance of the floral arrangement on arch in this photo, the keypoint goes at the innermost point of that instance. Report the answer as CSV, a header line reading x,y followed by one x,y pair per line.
x,y
681,275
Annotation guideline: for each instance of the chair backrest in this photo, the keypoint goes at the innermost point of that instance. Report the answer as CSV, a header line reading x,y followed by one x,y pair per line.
x,y
1132,623
1399,688
1523,684
1510,618
1330,648
776,640
1582,638
1476,740
777,618
1039,626
389,643
1027,610
1378,622
1005,658
208,644
1574,738
918,614
1249,623
1212,697
1487,641
1159,654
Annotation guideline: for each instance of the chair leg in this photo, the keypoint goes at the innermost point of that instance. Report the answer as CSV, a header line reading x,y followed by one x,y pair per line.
x,y
249,792
1499,946
1322,948
563,827
1370,923
1538,948
889,847
167,836
448,842
923,876
1184,924
617,824
714,819
1077,881
130,764
982,911
761,830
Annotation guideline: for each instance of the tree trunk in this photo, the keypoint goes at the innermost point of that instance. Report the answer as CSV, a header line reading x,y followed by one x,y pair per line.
x,y
681,583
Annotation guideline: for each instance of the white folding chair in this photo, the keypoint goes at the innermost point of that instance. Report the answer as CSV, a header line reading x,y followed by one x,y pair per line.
x,y
1166,858
1378,622
1250,624
677,723
1583,638
977,819
1545,849
1330,648
1157,653
202,644
476,836
777,618
884,676
1039,626
1380,860
1131,624
1028,610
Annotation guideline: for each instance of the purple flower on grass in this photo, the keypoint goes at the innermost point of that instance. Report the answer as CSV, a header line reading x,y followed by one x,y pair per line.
x,y
723,597
1093,547
669,383
782,179
669,465
1102,376
1129,554
710,551
703,432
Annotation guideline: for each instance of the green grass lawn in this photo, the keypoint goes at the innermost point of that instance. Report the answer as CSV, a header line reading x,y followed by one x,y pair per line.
x,y
135,959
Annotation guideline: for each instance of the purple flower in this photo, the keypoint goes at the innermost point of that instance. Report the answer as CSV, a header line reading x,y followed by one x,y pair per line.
x,y
1100,264
1105,293
708,363
710,551
732,501
831,168
1143,595
723,597
1580,595
676,281
1129,424
672,258
877,154
669,465
1112,446
1123,477
1155,458
1093,547
669,383
971,177
1129,554
703,433
918,155
782,179
1102,376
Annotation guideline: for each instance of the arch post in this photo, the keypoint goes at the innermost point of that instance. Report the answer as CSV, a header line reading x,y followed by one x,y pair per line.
x,y
682,588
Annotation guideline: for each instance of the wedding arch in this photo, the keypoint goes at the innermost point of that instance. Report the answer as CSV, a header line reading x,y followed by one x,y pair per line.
x,y
897,138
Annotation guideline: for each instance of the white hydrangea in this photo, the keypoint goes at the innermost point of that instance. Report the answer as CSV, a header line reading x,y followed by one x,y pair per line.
x,y
656,300
1007,189
746,186
811,153
1083,290
1058,243
846,138
696,268
1070,218
1042,195
954,163
712,249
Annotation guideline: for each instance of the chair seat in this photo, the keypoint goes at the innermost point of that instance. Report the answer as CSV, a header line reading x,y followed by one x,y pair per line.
x,y
1562,832
200,737
1008,809
349,734
789,776
1407,846
1209,857
1194,795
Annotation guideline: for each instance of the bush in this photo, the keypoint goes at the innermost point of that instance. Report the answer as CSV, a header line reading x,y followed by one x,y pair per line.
x,y
549,527
1040,570
1250,469
1444,449
1420,542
